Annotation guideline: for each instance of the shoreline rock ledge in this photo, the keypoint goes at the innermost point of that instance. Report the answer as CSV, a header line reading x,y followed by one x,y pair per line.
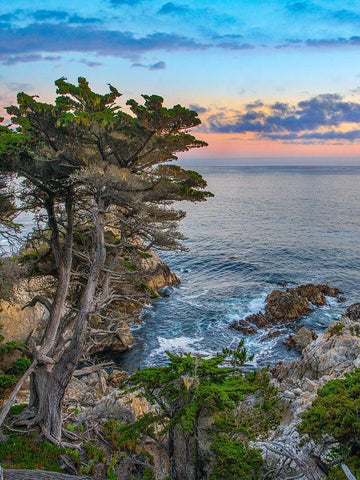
x,y
282,307
330,356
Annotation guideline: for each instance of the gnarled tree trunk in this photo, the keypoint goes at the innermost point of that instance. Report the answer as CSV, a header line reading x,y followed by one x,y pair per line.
x,y
51,378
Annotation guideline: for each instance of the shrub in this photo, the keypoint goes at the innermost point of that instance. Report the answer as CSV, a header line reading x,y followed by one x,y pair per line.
x,y
235,460
20,366
25,452
7,381
17,409
335,412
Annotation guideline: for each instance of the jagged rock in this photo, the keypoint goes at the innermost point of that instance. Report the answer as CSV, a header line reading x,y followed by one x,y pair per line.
x,y
116,405
87,389
19,325
159,274
329,356
244,327
282,307
259,320
353,312
116,377
301,340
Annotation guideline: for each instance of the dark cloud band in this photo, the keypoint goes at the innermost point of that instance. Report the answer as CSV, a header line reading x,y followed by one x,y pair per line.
x,y
318,119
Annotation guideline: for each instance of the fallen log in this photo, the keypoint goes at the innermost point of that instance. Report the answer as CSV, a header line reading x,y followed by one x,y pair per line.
x,y
38,475
92,369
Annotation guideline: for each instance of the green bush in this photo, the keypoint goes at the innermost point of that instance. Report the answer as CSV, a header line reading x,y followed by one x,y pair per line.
x,y
336,473
9,347
17,409
7,381
335,412
20,366
235,460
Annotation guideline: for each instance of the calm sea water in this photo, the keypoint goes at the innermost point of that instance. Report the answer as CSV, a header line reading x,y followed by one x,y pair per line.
x,y
265,225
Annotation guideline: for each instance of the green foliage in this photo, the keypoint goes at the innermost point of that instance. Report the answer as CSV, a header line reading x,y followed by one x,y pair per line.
x,y
20,366
130,266
94,455
145,288
237,407
202,384
336,329
257,413
148,474
26,452
7,381
235,460
126,437
144,254
353,463
17,409
111,474
335,412
9,347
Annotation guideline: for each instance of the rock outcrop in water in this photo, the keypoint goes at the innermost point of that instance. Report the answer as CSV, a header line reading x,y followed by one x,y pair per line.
x,y
287,306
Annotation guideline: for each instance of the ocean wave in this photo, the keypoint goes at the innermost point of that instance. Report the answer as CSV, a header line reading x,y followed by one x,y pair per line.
x,y
177,345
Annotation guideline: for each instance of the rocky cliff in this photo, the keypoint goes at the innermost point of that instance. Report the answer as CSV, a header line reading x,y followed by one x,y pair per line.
x,y
19,323
328,357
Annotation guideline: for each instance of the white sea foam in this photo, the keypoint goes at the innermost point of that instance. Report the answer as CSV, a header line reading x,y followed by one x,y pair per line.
x,y
241,311
257,304
196,295
332,301
177,345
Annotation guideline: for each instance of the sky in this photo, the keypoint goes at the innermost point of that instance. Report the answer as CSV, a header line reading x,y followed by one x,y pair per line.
x,y
270,79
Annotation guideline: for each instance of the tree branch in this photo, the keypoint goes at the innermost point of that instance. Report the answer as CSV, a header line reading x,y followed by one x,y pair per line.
x,y
39,299
6,407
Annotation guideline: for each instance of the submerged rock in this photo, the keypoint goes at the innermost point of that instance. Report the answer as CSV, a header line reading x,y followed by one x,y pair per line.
x,y
282,307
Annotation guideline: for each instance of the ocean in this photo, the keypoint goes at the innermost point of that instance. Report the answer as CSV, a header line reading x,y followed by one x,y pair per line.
x,y
266,226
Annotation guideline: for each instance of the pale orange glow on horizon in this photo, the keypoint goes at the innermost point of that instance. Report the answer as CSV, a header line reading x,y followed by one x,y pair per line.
x,y
229,145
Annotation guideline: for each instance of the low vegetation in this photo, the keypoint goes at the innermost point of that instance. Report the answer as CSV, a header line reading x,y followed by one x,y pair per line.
x,y
335,413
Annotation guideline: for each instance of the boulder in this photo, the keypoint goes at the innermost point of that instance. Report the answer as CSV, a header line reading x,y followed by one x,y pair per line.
x,y
353,312
282,307
301,339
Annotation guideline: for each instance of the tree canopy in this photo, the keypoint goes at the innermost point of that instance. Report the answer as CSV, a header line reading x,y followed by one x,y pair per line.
x,y
98,182
201,409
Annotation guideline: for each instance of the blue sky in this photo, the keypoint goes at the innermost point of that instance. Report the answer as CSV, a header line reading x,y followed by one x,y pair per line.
x,y
269,78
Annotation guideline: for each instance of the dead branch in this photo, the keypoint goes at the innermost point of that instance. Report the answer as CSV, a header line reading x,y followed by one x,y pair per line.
x,y
7,405
39,299
92,369
40,475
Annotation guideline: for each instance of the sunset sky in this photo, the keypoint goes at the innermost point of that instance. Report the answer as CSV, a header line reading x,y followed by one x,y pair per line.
x,y
268,78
